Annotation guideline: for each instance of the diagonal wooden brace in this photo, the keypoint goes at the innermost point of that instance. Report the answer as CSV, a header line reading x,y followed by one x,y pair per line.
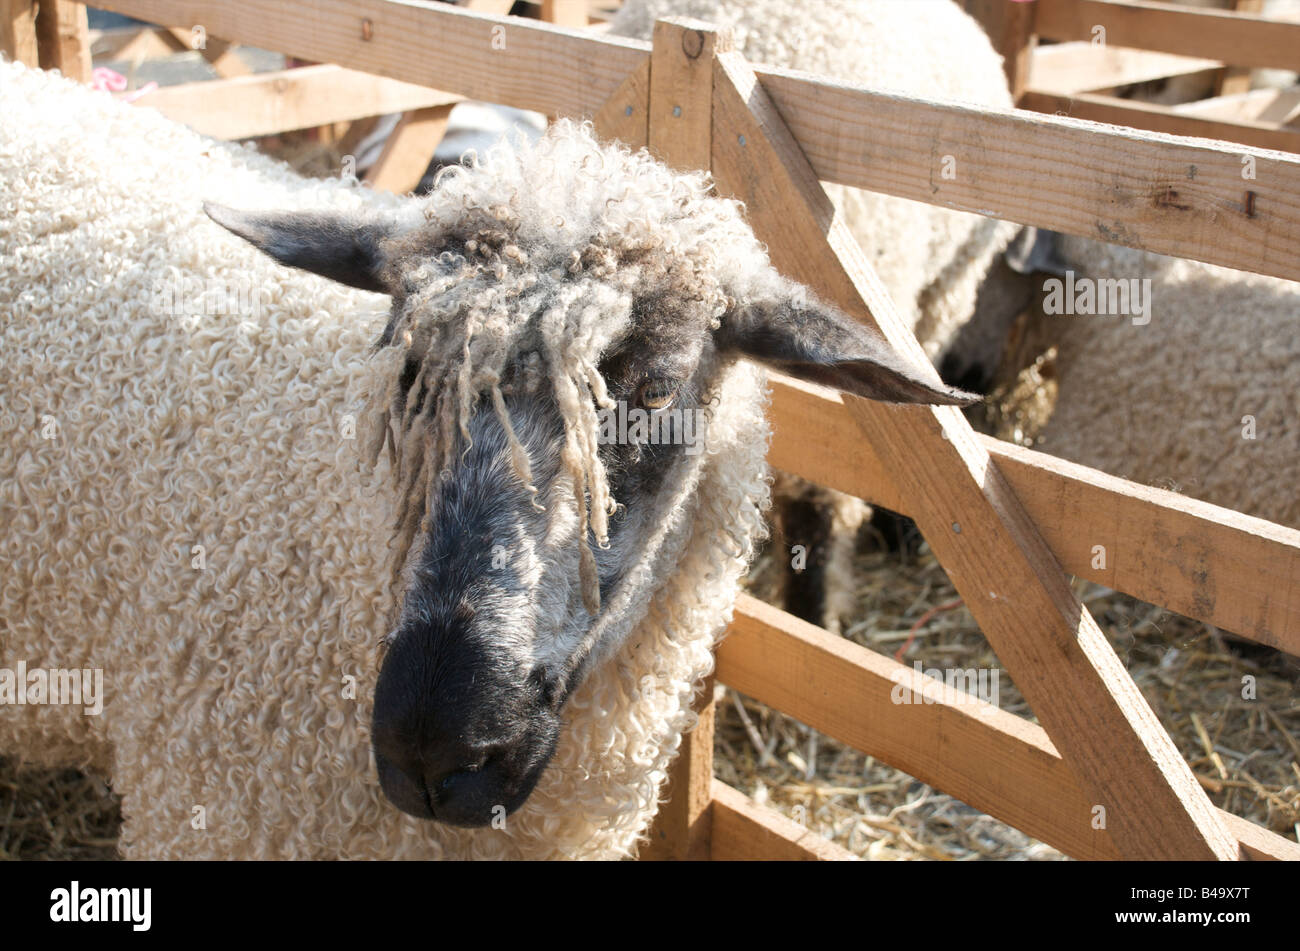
x,y
1141,790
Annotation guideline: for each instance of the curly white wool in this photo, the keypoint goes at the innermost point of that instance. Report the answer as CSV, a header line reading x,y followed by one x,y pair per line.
x,y
1200,399
930,259
198,524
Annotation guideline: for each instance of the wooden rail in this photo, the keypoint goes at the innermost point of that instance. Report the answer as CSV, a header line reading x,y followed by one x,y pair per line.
x,y
1109,43
986,757
1240,39
1206,562
1006,524
1156,192
267,103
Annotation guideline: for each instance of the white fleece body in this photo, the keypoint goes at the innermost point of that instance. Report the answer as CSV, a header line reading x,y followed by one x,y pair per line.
x,y
186,509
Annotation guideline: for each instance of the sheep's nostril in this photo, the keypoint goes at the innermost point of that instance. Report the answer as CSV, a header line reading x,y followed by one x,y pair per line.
x,y
451,780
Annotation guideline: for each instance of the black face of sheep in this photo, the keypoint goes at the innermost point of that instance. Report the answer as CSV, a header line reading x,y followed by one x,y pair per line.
x,y
505,587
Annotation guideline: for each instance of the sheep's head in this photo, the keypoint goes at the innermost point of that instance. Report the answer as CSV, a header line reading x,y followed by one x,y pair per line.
x,y
561,321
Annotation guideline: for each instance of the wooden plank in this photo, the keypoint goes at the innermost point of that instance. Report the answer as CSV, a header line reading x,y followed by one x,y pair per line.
x,y
1272,106
683,829
625,117
1166,119
1235,79
987,757
267,103
681,93
1239,573
570,13
498,7
1238,39
18,31
1081,66
134,43
745,831
1137,188
1010,28
971,518
510,60
409,149
220,54
1051,172
62,37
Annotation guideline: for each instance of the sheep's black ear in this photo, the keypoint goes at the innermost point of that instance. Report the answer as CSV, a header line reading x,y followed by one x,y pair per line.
x,y
820,344
343,248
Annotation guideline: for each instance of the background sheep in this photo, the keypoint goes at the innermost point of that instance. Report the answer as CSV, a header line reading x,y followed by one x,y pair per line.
x,y
187,511
1196,400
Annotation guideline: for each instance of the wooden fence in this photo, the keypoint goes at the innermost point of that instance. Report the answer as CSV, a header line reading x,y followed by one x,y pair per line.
x,y
1101,778
1100,45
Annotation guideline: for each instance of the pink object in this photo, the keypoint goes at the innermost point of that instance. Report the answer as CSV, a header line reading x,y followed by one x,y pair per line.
x,y
108,80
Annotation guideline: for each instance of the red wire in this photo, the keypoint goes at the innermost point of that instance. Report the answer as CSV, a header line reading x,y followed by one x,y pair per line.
x,y
911,635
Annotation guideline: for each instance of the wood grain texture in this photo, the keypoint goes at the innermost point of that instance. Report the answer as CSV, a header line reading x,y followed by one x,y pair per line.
x,y
986,757
267,103
681,93
1106,182
970,516
745,831
1238,39
1137,188
1010,28
510,60
409,148
1234,571
625,116
1167,119
1235,79
1080,66
62,38
18,31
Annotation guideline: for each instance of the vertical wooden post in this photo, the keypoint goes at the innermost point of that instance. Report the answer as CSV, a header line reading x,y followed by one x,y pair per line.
x,y
682,830
680,135
570,13
1010,27
62,38
1235,79
18,30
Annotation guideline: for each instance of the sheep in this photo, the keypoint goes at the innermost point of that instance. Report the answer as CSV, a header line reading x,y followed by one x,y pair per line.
x,y
932,260
1184,389
355,549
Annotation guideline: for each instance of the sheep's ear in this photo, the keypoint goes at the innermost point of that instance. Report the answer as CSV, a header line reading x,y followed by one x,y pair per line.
x,y
820,344
343,248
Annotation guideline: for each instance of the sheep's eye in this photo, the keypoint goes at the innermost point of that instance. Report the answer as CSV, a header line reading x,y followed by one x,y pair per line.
x,y
656,394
